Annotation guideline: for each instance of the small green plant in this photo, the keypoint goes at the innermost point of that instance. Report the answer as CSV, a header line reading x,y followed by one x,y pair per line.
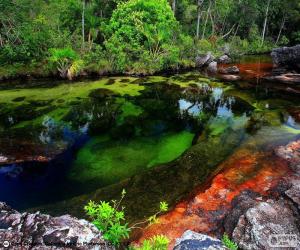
x,y
63,59
229,243
157,242
109,218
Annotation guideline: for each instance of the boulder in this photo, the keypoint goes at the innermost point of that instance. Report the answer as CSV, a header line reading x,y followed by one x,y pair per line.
x,y
213,67
230,70
204,60
195,241
224,59
259,224
40,231
287,57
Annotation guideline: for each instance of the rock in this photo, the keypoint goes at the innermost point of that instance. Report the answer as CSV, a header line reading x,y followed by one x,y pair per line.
x,y
224,59
213,67
230,70
294,194
288,78
240,204
287,57
230,78
194,241
256,226
40,231
204,60
290,153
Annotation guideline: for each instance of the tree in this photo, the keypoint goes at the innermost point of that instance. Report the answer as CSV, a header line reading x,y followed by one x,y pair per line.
x,y
141,29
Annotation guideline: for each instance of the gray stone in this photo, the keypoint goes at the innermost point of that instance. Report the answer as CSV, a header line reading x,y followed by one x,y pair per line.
x,y
287,57
195,241
224,59
213,67
259,223
40,231
204,60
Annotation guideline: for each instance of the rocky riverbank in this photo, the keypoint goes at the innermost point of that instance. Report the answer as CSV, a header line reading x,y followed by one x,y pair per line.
x,y
249,208
39,231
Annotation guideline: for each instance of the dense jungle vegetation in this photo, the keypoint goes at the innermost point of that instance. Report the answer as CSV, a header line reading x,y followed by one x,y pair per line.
x,y
45,37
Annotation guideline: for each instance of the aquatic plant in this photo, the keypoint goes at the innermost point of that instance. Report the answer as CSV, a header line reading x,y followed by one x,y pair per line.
x,y
229,243
109,218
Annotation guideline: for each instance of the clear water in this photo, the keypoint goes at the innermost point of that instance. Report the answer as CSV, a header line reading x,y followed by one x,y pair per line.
x,y
158,137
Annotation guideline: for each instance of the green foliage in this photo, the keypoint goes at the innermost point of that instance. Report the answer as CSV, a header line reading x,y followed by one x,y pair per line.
x,y
158,242
229,243
141,36
142,29
66,61
109,218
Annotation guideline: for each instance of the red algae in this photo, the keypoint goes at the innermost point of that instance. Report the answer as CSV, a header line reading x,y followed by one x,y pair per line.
x,y
244,170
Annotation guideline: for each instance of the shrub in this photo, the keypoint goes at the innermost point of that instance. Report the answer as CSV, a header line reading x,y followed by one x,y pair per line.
x,y
109,218
229,243
63,59
158,242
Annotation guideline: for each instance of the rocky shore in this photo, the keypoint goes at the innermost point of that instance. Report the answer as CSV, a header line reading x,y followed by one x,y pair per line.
x,y
251,220
254,221
39,231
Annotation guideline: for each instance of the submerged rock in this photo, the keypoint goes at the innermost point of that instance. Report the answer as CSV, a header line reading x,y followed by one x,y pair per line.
x,y
288,78
230,78
287,57
40,231
17,150
194,241
230,70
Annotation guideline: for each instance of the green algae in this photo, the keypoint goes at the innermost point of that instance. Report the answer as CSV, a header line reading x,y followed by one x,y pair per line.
x,y
128,109
170,182
61,98
108,162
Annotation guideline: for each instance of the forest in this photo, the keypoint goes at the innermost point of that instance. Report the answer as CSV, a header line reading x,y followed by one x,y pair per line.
x,y
136,36
149,124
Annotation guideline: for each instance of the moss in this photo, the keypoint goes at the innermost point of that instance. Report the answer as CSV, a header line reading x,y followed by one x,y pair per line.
x,y
108,162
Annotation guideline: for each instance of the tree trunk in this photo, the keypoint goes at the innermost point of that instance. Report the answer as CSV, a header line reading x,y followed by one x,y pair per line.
x,y
207,16
174,6
280,31
83,22
198,17
265,24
